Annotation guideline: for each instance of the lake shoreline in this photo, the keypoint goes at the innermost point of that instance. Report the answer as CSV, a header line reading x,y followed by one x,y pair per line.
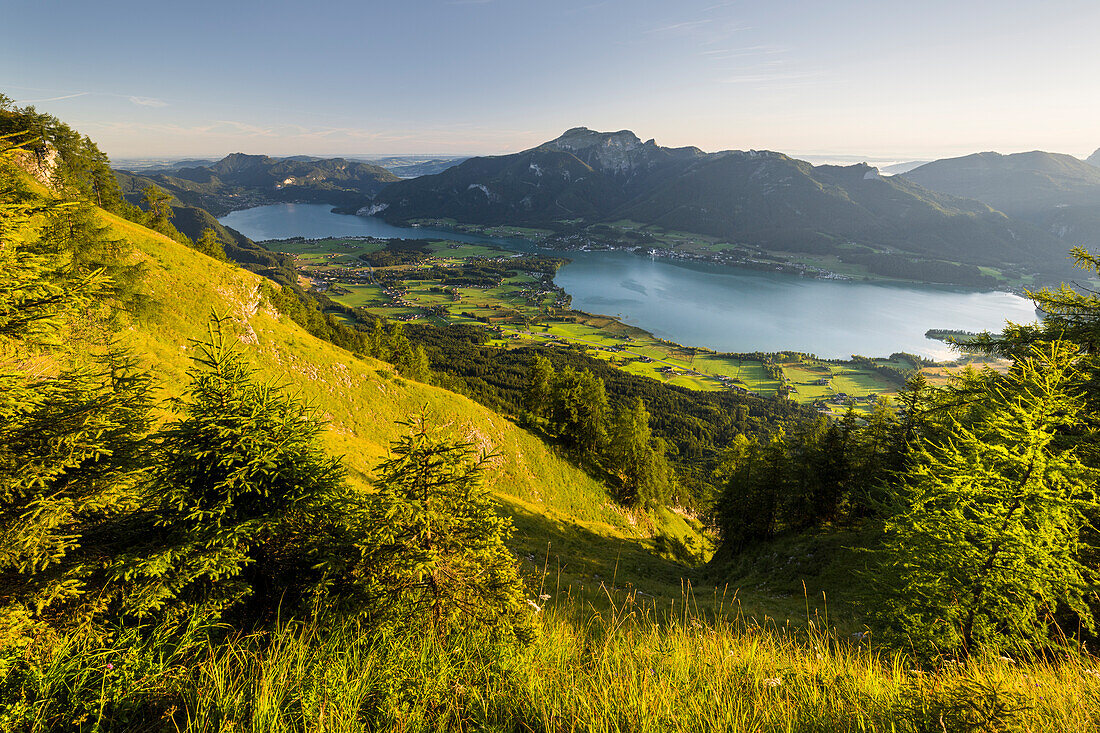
x,y
786,266
674,257
716,306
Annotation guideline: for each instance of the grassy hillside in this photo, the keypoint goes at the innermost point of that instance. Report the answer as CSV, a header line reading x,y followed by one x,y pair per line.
x,y
362,398
563,516
620,640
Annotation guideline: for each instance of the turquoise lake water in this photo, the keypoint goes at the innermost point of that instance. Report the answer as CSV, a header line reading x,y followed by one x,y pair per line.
x,y
718,307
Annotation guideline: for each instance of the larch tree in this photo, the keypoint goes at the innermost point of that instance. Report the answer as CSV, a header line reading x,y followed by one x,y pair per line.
x,y
540,386
209,244
637,458
984,542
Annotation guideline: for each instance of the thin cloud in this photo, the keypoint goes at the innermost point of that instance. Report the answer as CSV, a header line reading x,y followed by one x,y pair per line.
x,y
685,27
51,99
760,77
247,128
136,127
148,102
719,54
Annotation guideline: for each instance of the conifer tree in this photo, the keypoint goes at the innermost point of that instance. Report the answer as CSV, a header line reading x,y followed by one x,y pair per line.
x,y
81,170
637,458
398,349
76,233
540,388
747,509
1070,315
419,366
236,476
985,539
208,244
73,416
442,559
158,213
579,410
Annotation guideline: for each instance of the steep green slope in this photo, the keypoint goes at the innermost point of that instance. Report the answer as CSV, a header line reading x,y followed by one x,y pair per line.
x,y
562,515
361,398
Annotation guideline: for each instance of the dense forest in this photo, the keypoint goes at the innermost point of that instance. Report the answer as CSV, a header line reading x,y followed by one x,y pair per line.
x,y
191,555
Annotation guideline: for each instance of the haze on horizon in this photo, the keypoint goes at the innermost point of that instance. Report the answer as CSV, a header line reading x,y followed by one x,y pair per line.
x,y
885,80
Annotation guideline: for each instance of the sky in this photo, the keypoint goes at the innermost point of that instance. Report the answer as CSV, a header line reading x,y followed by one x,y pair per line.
x,y
884,80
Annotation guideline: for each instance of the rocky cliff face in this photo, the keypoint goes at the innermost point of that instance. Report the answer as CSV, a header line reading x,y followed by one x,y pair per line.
x,y
617,153
41,163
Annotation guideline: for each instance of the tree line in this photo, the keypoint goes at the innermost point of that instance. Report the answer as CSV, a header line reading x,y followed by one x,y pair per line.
x,y
572,405
695,426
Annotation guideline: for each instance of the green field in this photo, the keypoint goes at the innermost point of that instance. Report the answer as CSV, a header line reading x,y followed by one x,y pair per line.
x,y
521,309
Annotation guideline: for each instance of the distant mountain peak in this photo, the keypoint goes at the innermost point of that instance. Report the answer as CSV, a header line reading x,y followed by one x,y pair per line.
x,y
1028,185
242,156
235,162
582,138
621,153
585,180
1094,159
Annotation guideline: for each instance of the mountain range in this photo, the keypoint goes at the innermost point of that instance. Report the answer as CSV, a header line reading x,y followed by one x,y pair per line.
x,y
760,198
1057,193
238,181
1019,213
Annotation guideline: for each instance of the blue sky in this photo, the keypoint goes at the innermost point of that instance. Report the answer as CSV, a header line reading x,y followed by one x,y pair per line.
x,y
885,80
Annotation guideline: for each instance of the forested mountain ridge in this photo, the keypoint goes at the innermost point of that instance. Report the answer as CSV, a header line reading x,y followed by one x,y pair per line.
x,y
238,181
1059,194
1023,185
194,222
760,198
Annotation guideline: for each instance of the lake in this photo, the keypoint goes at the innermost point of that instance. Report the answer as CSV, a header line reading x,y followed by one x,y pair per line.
x,y
717,307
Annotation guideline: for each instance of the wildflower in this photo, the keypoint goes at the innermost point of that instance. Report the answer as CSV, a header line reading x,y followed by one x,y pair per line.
x,y
773,682
534,605
544,597
861,635
110,666
1091,673
1010,660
